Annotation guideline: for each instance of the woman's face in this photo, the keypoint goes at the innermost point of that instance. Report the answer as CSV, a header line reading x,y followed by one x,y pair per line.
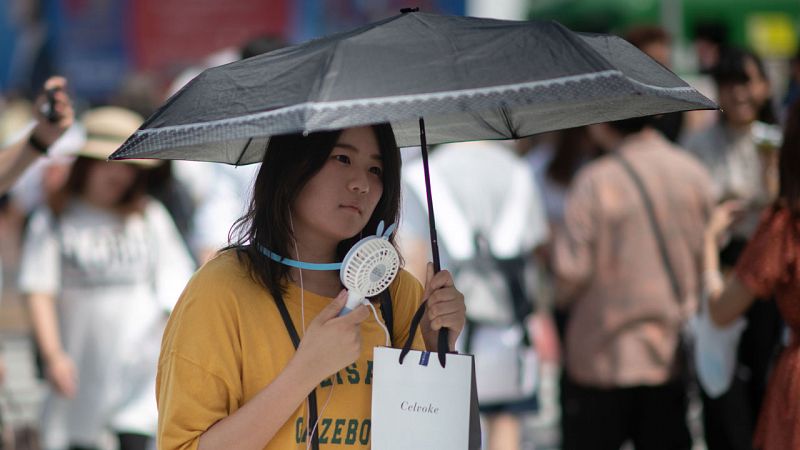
x,y
107,182
736,100
338,201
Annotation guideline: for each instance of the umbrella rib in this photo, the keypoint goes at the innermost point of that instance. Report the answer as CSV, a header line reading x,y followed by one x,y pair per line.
x,y
508,121
244,150
320,88
488,124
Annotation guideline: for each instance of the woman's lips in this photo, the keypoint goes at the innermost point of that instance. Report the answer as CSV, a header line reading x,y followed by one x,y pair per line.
x,y
352,208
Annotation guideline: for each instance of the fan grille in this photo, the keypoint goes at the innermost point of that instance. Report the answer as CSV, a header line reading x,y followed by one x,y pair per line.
x,y
372,267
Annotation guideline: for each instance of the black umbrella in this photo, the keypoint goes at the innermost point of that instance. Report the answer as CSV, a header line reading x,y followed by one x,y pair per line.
x,y
469,78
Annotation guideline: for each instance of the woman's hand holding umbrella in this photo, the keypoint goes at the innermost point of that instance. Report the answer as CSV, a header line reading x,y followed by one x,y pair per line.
x,y
445,308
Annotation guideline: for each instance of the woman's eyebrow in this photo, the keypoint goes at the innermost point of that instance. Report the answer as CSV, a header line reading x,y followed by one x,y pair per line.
x,y
347,146
344,145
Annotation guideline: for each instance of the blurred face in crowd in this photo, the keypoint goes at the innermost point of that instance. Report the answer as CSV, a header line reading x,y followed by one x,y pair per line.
x,y
738,103
659,51
758,84
107,182
707,53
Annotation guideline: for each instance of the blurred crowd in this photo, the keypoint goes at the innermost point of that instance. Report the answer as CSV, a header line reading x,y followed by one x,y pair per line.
x,y
590,250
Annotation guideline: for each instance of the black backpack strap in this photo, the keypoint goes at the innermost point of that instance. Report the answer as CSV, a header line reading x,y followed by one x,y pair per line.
x,y
512,271
312,397
386,312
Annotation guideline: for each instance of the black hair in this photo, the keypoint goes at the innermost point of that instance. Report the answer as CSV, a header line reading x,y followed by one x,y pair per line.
x,y
572,149
713,32
289,163
631,126
731,66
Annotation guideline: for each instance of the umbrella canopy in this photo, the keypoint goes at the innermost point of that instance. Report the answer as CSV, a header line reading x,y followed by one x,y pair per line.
x,y
470,78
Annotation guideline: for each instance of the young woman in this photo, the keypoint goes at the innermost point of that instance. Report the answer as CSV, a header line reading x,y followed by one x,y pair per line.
x,y
769,266
229,375
102,265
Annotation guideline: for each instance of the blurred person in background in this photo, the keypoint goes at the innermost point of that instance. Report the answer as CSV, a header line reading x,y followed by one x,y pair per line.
x,y
554,164
730,149
629,287
490,220
769,266
710,39
32,145
759,84
742,168
657,44
18,156
102,265
139,93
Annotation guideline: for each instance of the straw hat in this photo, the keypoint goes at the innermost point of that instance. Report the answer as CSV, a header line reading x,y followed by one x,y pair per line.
x,y
107,128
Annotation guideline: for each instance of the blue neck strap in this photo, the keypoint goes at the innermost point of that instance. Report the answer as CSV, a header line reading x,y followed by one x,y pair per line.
x,y
298,264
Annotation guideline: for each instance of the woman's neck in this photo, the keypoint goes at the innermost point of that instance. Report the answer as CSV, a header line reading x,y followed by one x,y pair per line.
x,y
321,282
312,250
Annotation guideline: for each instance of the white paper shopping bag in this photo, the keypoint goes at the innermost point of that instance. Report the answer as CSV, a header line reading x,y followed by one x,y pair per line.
x,y
421,405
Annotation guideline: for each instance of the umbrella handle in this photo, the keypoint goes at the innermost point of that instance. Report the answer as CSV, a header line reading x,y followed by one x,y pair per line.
x,y
444,333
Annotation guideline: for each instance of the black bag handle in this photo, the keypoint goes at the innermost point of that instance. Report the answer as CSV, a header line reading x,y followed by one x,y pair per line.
x,y
442,345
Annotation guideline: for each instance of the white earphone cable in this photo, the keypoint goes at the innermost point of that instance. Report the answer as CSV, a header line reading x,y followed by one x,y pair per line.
x,y
328,400
309,431
380,322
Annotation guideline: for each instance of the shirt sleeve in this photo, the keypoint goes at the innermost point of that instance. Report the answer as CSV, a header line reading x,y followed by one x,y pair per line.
x,y
760,266
174,265
190,400
40,267
198,381
573,246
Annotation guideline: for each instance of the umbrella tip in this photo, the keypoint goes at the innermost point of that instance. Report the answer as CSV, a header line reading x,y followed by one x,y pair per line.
x,y
408,10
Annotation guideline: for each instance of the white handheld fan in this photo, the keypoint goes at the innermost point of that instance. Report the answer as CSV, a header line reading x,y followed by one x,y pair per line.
x,y
369,267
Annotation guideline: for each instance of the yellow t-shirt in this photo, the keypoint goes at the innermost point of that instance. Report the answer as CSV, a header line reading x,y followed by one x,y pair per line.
x,y
226,341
